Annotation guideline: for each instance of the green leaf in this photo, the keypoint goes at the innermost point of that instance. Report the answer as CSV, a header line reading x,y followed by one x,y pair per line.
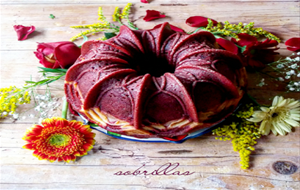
x,y
200,28
29,81
242,48
52,16
109,35
85,38
48,70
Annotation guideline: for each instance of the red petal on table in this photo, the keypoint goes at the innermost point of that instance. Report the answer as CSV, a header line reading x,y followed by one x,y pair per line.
x,y
144,1
153,14
293,43
23,31
228,45
198,21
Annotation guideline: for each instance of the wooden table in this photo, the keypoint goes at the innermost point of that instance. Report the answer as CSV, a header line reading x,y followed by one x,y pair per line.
x,y
212,164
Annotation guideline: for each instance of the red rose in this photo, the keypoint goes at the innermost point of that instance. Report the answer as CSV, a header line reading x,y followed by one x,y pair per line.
x,y
57,54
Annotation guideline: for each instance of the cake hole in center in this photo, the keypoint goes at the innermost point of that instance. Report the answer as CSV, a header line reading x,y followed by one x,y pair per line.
x,y
151,64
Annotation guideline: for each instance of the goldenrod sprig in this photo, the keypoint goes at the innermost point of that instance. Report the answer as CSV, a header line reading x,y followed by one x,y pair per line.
x,y
125,14
231,30
104,25
242,133
10,98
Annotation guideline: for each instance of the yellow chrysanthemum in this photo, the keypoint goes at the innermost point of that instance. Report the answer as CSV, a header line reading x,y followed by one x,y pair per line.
x,y
279,118
59,139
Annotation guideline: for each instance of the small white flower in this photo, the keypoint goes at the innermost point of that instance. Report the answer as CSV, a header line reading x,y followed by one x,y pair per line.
x,y
279,66
280,79
292,89
292,72
280,117
288,58
15,116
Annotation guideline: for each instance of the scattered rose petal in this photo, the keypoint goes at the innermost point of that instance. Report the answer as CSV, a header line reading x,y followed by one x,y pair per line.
x,y
144,1
228,45
175,28
293,44
23,31
153,14
198,21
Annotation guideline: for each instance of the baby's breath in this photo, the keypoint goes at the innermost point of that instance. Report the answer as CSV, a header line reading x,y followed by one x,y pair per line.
x,y
242,133
287,70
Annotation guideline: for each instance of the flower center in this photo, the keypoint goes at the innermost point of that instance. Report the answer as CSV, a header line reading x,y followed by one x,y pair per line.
x,y
274,115
50,58
59,140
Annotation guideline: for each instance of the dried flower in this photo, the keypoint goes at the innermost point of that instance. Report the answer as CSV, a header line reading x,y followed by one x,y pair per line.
x,y
279,118
59,139
23,31
153,14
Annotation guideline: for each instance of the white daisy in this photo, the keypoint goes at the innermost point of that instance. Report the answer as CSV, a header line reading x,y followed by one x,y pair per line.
x,y
279,118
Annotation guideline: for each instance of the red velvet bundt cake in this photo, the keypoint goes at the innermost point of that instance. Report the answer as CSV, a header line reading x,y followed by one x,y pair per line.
x,y
155,83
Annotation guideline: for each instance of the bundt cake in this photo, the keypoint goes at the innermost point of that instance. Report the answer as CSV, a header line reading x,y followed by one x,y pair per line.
x,y
155,83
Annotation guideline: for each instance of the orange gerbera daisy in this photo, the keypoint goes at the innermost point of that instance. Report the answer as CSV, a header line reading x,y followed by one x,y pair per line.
x,y
59,139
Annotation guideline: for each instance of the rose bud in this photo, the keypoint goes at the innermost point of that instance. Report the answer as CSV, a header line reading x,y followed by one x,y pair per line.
x,y
57,54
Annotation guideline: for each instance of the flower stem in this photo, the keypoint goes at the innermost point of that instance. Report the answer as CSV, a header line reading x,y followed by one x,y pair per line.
x,y
64,108
253,99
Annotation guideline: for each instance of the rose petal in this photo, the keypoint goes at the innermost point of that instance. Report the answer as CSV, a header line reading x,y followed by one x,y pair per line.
x,y
144,1
153,14
23,31
70,49
245,39
198,21
228,45
294,44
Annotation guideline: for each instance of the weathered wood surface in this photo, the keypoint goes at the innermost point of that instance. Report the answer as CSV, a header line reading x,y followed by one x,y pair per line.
x,y
215,164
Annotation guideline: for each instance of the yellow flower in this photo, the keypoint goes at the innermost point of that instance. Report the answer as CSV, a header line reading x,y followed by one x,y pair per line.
x,y
10,98
279,118
126,10
116,15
